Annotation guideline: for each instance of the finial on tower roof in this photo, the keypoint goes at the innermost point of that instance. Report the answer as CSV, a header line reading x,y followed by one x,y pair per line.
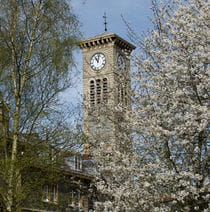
x,y
105,23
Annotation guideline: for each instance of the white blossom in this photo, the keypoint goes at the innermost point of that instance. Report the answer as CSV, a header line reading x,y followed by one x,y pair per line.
x,y
167,164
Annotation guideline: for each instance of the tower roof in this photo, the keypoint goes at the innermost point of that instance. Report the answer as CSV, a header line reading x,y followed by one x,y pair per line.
x,y
105,38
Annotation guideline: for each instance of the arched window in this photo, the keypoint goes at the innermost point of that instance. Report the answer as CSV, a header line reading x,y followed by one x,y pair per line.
x,y
118,94
92,93
126,97
105,90
122,94
98,91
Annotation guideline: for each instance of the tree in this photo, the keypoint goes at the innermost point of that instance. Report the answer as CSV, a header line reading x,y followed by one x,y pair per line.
x,y
36,43
172,98
168,164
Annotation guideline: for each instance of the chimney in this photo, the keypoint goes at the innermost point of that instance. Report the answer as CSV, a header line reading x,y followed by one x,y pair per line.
x,y
86,154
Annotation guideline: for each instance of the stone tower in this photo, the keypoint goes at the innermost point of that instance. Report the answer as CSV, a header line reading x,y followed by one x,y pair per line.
x,y
106,84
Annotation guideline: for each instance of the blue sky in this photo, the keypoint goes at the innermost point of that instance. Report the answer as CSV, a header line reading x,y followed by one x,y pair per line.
x,y
90,14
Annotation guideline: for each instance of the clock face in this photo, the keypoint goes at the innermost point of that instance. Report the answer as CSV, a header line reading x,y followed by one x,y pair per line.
x,y
121,62
97,61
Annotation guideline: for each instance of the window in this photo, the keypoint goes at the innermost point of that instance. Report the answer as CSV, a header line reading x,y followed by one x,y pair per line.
x,y
126,98
118,94
92,93
122,94
98,91
105,90
75,198
51,193
78,162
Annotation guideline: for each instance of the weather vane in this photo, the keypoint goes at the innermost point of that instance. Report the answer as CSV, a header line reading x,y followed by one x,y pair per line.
x,y
105,23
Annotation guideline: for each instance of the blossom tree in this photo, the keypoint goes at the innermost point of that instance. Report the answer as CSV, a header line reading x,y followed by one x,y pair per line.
x,y
167,167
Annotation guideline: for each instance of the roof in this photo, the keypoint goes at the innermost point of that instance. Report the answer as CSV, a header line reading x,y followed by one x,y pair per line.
x,y
85,169
100,35
105,38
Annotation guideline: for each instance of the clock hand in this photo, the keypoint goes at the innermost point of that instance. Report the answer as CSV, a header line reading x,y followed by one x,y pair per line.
x,y
97,58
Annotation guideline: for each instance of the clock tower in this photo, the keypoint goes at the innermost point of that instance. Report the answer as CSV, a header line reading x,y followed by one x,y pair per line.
x,y
106,85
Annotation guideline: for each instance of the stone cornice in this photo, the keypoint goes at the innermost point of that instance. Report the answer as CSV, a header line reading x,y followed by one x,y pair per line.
x,y
105,39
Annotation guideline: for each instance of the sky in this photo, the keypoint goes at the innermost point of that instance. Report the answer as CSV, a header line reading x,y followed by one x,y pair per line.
x,y
90,14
